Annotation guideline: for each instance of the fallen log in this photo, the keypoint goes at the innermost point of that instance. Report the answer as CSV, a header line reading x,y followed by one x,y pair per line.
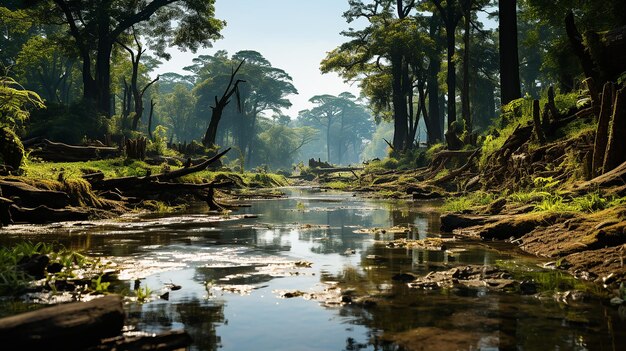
x,y
30,196
43,214
334,170
64,327
124,183
61,152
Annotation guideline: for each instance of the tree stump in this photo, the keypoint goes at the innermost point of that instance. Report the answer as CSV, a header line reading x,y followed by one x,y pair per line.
x,y
602,130
616,144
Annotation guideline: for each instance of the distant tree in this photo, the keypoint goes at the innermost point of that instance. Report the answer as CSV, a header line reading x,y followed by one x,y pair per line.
x,y
176,110
134,90
95,26
390,58
341,119
44,67
266,90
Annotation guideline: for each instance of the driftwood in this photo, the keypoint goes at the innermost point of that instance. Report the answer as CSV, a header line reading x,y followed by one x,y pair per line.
x,y
64,327
60,152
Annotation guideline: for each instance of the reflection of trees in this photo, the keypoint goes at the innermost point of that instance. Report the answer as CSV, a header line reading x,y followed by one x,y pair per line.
x,y
199,318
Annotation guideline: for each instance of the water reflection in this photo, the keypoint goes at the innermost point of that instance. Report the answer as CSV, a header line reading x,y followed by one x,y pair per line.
x,y
203,253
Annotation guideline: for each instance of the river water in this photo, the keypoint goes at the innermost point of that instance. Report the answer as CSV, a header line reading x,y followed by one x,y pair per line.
x,y
234,272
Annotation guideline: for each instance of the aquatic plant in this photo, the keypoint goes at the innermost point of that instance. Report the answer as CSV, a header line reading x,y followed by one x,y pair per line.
x,y
98,286
143,294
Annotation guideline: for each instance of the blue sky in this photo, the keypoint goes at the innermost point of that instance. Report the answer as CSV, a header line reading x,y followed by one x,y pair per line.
x,y
293,35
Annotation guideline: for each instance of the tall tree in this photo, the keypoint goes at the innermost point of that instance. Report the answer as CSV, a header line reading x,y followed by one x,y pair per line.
x,y
434,121
266,90
451,14
389,58
96,25
509,60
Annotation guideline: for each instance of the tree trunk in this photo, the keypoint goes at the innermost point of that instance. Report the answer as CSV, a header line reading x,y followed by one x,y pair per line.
x,y
218,109
451,78
538,127
435,132
465,97
616,145
602,130
576,41
509,60
399,104
103,61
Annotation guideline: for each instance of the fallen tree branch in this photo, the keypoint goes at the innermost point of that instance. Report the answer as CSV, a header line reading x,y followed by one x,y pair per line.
x,y
124,183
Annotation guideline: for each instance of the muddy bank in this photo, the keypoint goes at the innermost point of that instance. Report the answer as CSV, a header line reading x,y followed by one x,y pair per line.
x,y
589,246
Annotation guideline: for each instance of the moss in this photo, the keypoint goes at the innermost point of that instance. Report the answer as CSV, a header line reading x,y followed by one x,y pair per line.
x,y
11,148
337,185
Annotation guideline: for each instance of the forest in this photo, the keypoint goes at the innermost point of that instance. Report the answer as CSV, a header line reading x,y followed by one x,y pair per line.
x,y
471,195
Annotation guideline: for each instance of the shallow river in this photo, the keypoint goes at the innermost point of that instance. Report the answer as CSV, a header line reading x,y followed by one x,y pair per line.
x,y
234,273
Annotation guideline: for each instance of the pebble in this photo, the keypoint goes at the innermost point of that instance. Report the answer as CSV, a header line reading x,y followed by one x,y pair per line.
x,y
616,301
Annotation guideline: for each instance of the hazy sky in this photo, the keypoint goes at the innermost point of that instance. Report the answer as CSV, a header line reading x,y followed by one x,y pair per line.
x,y
293,35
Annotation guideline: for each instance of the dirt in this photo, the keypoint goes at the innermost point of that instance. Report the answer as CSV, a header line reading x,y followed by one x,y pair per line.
x,y
589,246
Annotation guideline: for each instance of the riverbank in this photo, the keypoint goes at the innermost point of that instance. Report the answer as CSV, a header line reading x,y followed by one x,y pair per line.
x,y
49,192
550,180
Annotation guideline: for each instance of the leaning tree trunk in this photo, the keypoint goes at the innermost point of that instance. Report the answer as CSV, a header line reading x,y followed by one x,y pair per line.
x,y
218,109
509,60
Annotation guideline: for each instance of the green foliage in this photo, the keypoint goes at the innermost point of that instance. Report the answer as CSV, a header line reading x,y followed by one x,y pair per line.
x,y
300,206
337,185
143,294
15,103
389,163
158,144
468,202
14,280
86,123
517,112
546,183
98,286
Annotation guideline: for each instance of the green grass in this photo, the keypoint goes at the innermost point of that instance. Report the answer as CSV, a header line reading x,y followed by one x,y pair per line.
x,y
14,280
468,202
337,185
